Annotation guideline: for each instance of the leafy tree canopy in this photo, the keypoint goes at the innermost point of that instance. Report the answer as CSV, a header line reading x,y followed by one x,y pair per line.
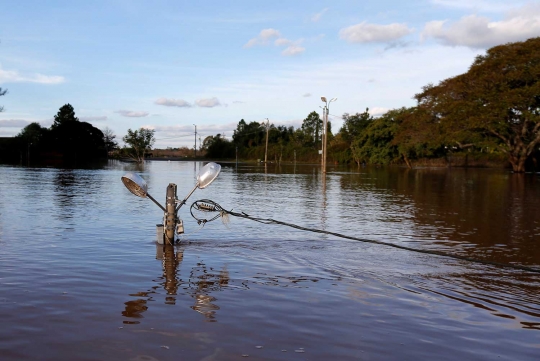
x,y
312,126
140,141
354,125
499,97
32,133
65,114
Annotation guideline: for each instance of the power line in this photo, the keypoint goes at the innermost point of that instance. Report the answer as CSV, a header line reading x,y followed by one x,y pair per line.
x,y
208,206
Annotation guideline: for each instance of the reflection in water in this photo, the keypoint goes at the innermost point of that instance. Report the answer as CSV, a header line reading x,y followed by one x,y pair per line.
x,y
202,282
511,296
66,185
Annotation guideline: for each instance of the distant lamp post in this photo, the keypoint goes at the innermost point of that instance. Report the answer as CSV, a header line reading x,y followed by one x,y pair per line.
x,y
267,126
195,146
325,129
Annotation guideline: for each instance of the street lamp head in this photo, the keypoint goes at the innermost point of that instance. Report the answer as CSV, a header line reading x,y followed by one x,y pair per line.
x,y
333,100
323,99
135,184
207,174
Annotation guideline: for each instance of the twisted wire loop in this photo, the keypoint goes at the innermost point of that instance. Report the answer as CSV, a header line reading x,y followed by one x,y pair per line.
x,y
203,206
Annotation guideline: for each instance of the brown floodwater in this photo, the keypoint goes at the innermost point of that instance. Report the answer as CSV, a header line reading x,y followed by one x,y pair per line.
x,y
82,278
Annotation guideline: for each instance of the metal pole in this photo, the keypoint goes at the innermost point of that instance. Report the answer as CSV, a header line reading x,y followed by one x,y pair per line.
x,y
156,202
266,150
170,215
195,147
322,139
185,199
325,126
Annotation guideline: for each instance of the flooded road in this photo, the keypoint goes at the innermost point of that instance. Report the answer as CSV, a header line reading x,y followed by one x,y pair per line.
x,y
81,277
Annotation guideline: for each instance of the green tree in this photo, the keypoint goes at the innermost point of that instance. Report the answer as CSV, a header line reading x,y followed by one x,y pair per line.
x,y
2,92
219,148
140,141
311,126
249,135
376,144
32,133
498,98
76,142
354,125
109,139
65,115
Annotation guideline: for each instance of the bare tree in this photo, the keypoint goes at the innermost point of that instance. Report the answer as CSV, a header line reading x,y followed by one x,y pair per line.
x,y
2,92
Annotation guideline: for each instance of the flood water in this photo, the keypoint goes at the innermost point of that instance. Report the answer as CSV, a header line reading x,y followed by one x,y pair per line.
x,y
82,278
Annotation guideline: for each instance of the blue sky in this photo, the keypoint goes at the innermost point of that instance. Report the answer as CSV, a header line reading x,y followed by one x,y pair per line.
x,y
169,65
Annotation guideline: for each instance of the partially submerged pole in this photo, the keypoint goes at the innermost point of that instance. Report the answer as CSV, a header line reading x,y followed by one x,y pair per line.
x,y
170,214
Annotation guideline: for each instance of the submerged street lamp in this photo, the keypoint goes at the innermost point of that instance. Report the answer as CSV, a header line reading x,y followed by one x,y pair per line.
x,y
138,186
325,129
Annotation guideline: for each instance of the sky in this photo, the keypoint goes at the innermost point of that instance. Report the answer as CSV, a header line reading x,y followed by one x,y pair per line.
x,y
175,65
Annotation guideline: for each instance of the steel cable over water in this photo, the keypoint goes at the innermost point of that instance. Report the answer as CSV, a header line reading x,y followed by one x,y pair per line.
x,y
205,206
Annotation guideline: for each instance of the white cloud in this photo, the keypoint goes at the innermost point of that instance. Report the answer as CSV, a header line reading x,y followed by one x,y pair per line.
x,y
132,114
173,103
93,118
479,32
238,102
267,34
263,38
374,33
293,47
13,76
307,95
13,123
477,5
318,16
293,50
251,43
208,103
282,42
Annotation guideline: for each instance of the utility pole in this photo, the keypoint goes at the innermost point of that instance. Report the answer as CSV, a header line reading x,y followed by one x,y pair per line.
x,y
266,149
195,147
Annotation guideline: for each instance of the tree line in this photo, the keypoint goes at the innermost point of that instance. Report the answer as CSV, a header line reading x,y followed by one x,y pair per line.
x,y
68,141
491,112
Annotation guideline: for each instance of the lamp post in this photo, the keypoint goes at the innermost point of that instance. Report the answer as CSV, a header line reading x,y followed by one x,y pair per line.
x,y
267,126
195,147
325,129
173,225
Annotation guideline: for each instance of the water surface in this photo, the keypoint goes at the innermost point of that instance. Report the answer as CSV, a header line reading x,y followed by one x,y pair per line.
x,y
81,276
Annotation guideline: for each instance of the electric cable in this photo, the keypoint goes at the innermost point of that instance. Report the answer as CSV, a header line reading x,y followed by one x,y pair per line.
x,y
202,206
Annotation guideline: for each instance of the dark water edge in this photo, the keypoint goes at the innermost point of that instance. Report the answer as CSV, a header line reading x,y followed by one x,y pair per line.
x,y
82,278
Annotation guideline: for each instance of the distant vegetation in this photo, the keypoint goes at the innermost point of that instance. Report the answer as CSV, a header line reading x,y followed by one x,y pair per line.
x,y
67,142
489,115
139,142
